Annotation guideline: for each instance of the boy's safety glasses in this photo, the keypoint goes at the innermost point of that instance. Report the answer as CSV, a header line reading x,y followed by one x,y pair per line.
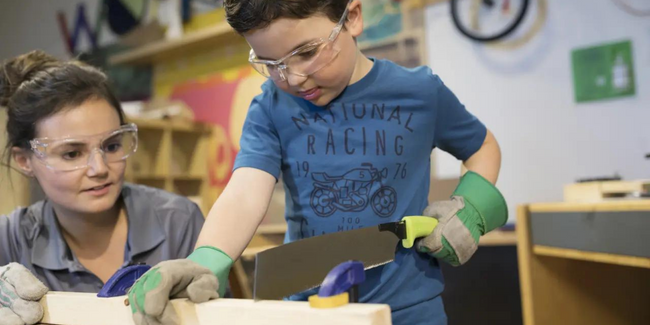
x,y
67,154
303,61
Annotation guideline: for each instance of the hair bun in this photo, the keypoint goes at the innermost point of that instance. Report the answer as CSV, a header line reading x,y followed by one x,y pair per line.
x,y
20,69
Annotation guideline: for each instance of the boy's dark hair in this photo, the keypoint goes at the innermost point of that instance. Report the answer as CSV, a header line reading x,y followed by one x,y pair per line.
x,y
247,15
36,85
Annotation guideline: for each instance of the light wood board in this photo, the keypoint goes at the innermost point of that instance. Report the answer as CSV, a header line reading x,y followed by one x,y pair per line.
x,y
498,238
63,308
599,191
614,205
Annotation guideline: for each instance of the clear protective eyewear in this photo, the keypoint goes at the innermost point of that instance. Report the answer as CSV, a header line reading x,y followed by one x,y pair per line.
x,y
305,60
67,154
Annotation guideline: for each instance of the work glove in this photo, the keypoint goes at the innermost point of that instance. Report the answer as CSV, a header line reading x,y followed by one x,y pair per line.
x,y
200,277
20,292
475,208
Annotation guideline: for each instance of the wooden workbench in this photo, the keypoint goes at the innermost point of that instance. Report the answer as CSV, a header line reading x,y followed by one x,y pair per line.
x,y
66,308
585,263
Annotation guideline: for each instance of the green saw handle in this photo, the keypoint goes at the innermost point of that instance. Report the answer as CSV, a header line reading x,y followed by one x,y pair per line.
x,y
417,227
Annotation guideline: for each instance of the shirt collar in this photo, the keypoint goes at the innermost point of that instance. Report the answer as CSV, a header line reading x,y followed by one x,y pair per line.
x,y
50,251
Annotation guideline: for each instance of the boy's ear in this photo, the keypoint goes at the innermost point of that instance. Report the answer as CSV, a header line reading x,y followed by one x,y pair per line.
x,y
354,25
21,158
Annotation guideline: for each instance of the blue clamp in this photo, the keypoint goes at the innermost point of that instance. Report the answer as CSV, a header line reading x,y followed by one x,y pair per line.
x,y
341,285
120,283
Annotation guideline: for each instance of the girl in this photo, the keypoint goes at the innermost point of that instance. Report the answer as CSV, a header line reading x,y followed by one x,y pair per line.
x,y
67,130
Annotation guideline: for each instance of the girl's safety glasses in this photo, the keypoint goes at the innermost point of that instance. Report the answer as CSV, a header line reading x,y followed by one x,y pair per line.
x,y
72,153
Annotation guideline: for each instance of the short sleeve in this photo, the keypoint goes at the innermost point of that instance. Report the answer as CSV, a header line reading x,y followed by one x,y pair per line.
x,y
8,242
457,131
260,143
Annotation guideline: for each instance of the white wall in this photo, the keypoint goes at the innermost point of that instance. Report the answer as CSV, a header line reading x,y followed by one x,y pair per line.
x,y
27,25
526,98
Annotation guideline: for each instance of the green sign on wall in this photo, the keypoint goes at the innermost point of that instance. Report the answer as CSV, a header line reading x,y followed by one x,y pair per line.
x,y
604,71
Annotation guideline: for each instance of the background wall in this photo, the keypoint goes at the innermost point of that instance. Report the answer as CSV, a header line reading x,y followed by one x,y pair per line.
x,y
525,97
14,187
27,25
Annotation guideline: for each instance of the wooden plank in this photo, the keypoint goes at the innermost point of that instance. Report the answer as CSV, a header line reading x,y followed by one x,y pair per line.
x,y
625,186
204,39
86,309
599,191
624,260
498,238
614,205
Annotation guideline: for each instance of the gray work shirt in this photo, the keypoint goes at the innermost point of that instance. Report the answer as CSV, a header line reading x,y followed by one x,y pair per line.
x,y
162,226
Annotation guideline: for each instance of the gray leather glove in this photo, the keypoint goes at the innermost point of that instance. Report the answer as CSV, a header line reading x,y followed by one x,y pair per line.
x,y
149,297
20,292
476,208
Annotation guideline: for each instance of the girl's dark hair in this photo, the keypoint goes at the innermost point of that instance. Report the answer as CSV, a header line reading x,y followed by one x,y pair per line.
x,y
246,15
35,85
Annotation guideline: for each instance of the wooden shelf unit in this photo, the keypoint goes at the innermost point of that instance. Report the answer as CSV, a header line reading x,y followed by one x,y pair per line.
x,y
565,285
172,156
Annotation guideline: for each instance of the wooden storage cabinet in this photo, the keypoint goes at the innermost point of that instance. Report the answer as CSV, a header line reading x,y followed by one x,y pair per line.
x,y
585,263
172,155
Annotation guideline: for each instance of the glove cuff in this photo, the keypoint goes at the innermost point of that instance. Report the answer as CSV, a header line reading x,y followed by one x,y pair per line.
x,y
216,261
485,198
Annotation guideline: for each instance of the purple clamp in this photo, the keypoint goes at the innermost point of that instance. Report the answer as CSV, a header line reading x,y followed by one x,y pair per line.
x,y
120,283
344,277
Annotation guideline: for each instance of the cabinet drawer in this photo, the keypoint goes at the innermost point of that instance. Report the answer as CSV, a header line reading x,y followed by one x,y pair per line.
x,y
623,233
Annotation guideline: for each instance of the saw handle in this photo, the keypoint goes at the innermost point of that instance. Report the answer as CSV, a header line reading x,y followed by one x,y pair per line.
x,y
417,227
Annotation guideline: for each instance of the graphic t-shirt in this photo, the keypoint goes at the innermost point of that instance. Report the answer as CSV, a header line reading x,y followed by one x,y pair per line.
x,y
362,160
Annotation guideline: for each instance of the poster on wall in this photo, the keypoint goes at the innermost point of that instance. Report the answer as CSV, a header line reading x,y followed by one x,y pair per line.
x,y
222,99
381,18
603,72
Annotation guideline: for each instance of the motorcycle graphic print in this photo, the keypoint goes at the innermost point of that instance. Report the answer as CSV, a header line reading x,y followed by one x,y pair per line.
x,y
353,192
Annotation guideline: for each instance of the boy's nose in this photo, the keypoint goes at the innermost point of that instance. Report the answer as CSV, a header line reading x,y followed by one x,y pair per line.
x,y
295,80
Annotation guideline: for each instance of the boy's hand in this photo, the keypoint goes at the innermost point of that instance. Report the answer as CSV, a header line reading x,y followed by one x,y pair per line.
x,y
20,292
475,208
200,277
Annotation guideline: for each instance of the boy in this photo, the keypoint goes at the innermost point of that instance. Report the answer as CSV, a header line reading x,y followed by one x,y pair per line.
x,y
351,137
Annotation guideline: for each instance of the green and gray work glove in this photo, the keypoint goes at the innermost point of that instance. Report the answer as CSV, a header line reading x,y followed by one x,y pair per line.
x,y
200,277
20,292
475,208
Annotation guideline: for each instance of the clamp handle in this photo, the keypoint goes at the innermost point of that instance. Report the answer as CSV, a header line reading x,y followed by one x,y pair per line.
x,y
120,283
340,286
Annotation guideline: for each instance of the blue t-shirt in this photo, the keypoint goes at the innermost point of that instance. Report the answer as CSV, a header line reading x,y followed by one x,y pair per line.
x,y
361,161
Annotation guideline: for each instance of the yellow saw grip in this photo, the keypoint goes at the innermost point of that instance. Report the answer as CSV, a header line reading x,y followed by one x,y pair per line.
x,y
417,227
